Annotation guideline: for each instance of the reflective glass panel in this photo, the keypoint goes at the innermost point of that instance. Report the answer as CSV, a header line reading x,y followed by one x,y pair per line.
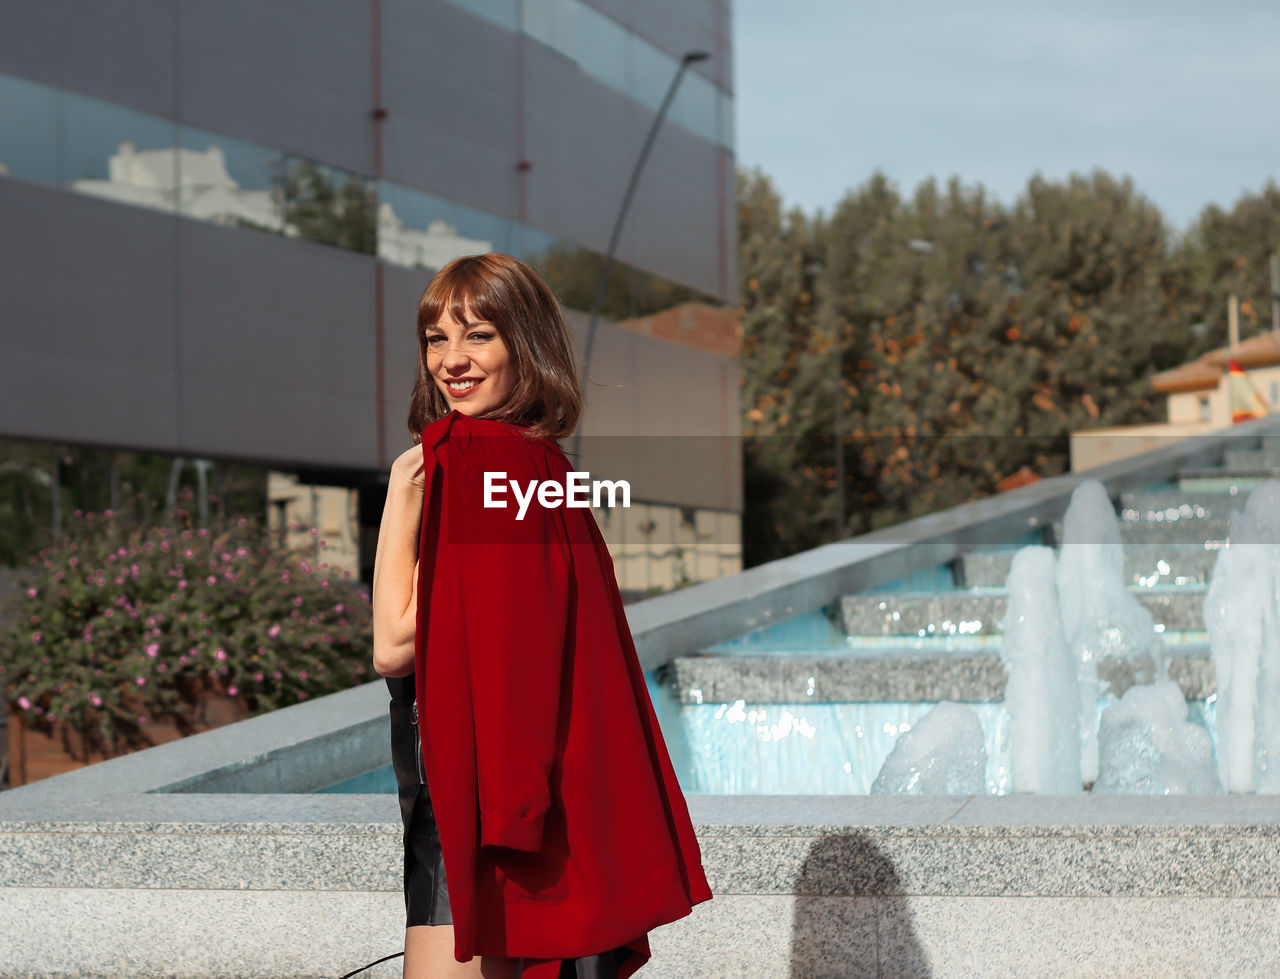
x,y
694,106
650,72
529,244
125,156
227,181
554,23
500,12
602,48
724,102
329,205
419,230
28,130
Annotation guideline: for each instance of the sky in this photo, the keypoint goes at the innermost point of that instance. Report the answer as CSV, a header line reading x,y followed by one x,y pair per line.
x,y
1184,98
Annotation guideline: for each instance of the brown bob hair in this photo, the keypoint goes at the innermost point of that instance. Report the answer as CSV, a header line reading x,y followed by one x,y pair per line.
x,y
546,399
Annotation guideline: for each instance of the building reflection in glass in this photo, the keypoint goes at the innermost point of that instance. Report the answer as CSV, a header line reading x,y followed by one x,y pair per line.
x,y
228,181
423,231
119,154
132,158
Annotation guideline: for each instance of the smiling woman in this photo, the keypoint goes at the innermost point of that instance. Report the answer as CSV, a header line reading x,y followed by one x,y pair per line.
x,y
502,635
489,320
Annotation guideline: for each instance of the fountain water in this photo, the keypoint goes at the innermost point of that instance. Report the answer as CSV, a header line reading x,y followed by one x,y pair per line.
x,y
1147,746
1241,615
1041,692
943,754
1100,618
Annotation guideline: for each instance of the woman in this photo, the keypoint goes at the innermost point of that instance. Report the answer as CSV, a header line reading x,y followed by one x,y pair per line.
x,y
546,833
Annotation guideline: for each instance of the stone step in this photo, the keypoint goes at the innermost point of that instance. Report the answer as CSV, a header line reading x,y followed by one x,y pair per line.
x,y
1145,566
958,614
1173,505
1219,481
1252,460
1195,531
892,675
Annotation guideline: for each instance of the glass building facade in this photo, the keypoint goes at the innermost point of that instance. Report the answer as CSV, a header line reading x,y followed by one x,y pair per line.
x,y
167,169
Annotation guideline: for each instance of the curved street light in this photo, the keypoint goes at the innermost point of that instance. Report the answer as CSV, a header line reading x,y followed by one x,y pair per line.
x,y
689,58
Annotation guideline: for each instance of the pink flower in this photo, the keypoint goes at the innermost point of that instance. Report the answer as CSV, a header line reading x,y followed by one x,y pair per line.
x,y
141,681
273,631
152,650
142,718
212,579
222,654
258,677
182,583
35,638
162,667
302,674
314,531
297,599
119,581
232,691
95,700
74,561
339,608
31,593
24,703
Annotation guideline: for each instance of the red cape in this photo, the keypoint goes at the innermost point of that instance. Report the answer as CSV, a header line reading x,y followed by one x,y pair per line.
x,y
563,828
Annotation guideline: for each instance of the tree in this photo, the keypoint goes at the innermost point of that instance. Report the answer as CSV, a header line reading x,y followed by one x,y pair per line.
x,y
789,373
1227,253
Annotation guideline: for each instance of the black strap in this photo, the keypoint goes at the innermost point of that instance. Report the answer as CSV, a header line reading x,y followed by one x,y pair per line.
x,y
371,965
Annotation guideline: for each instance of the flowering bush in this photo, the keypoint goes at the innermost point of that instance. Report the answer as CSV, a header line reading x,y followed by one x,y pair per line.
x,y
130,621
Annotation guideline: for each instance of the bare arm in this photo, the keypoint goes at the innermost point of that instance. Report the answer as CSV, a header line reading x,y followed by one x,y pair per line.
x,y
395,568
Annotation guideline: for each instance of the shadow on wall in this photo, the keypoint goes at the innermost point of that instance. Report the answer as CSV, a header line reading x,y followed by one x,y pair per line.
x,y
851,916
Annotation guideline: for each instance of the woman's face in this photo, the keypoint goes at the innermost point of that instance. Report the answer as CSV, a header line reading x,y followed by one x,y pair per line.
x,y
469,364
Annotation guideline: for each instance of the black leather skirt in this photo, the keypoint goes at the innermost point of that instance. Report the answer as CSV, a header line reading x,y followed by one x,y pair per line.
x,y
426,892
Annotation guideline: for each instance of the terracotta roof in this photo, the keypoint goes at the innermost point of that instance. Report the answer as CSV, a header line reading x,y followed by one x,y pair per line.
x,y
1262,350
692,324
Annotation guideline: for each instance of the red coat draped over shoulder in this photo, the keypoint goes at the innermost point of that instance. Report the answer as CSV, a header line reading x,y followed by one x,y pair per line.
x,y
563,828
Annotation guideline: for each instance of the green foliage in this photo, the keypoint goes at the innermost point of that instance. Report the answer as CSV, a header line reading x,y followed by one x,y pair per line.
x,y
574,275
331,206
1226,253
131,619
953,342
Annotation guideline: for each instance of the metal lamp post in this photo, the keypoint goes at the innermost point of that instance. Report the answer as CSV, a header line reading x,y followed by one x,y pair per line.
x,y
690,58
